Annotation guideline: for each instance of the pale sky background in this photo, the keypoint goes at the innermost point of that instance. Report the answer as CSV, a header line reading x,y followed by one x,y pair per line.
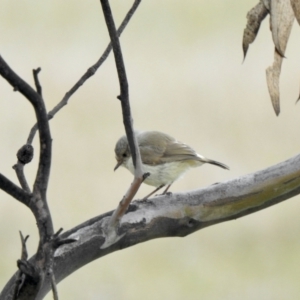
x,y
186,78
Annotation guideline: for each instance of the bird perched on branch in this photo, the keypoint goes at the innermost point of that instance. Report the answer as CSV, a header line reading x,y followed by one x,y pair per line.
x,y
165,158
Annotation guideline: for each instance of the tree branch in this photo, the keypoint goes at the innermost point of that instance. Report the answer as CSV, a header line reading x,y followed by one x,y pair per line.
x,y
41,182
90,72
20,276
111,234
176,215
13,190
40,268
124,91
39,205
19,168
36,80
25,155
35,271
53,286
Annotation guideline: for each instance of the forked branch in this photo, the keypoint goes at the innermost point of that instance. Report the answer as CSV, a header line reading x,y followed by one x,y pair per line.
x,y
41,181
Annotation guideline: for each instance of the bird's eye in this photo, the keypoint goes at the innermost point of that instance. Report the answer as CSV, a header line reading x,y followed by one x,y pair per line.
x,y
124,155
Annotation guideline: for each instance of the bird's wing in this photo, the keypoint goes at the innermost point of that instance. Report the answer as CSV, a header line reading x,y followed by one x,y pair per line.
x,y
180,151
154,152
152,149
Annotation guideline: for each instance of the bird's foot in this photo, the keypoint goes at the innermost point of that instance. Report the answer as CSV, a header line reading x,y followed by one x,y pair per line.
x,y
146,200
168,194
164,194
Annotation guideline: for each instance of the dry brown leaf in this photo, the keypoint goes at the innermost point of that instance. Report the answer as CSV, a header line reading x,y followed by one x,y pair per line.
x,y
254,18
296,8
272,74
282,17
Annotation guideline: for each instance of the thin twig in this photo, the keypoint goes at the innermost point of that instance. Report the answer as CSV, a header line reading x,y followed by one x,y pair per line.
x,y
124,203
53,286
127,118
90,72
24,253
24,155
10,188
19,168
58,241
24,256
124,91
57,233
33,131
36,81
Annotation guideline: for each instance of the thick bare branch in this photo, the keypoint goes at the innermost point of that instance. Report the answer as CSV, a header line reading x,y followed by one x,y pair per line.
x,y
177,215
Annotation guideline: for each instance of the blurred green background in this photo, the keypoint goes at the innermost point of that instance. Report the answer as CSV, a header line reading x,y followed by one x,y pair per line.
x,y
186,78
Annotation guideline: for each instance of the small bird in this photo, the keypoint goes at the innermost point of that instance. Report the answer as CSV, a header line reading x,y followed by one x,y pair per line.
x,y
165,158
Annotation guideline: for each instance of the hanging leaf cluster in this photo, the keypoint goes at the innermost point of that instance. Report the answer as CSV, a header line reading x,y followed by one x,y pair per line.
x,y
282,14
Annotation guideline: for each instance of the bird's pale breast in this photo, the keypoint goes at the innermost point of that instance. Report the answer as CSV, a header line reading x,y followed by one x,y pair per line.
x,y
164,174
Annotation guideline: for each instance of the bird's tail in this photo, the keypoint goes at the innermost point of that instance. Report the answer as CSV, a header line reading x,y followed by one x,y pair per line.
x,y
216,163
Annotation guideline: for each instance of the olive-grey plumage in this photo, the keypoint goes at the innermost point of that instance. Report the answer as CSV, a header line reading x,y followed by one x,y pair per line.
x,y
165,158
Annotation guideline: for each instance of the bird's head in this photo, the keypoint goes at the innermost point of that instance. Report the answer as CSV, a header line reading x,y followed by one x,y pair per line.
x,y
122,151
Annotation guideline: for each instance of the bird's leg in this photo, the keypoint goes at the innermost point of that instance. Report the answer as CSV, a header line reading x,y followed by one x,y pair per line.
x,y
166,190
161,186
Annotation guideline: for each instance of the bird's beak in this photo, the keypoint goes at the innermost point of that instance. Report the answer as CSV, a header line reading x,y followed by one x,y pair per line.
x,y
118,165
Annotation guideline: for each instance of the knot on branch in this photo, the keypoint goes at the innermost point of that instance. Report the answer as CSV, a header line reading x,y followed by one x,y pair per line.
x,y
25,154
91,71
